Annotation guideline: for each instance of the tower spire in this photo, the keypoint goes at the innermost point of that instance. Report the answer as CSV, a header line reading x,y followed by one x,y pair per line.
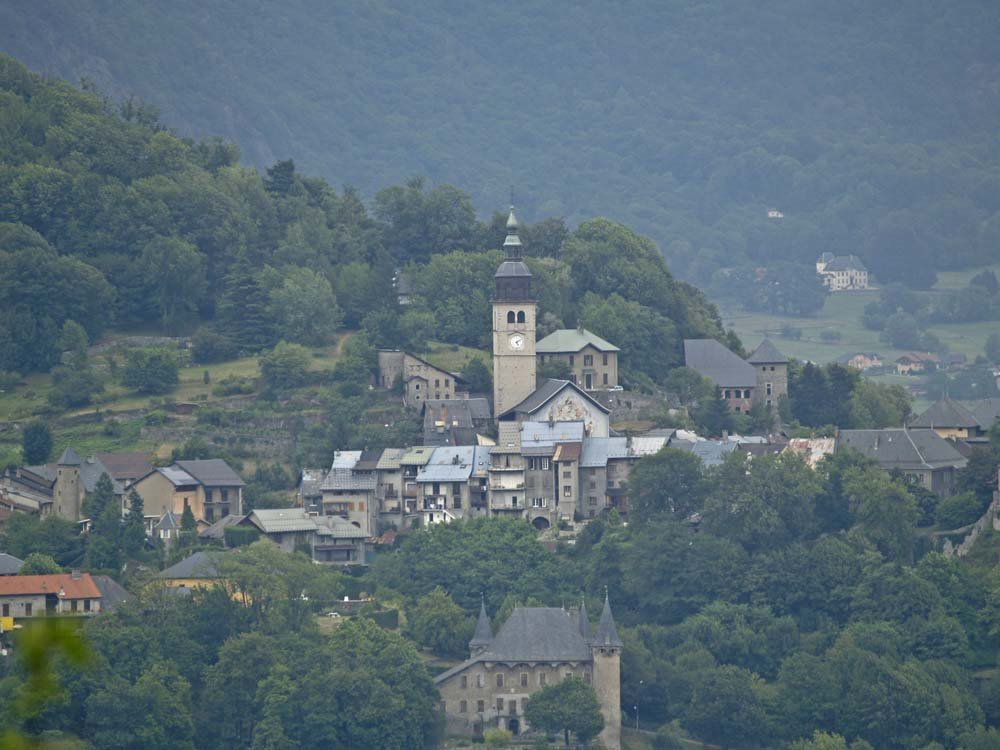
x,y
483,636
607,634
512,244
584,621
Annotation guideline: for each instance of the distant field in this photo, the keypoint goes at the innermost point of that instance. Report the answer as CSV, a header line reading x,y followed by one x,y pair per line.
x,y
842,312
452,357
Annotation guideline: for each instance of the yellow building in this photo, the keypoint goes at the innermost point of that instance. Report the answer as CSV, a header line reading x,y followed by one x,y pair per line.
x,y
209,487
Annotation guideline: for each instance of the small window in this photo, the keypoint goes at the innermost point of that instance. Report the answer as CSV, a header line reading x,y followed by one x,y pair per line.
x,y
447,383
510,317
541,678
567,491
568,675
605,357
520,316
437,382
480,706
572,360
464,681
588,360
416,386
593,500
746,393
524,679
499,680
463,707
512,707
27,609
768,389
605,378
500,705
73,605
567,475
5,611
480,680
86,605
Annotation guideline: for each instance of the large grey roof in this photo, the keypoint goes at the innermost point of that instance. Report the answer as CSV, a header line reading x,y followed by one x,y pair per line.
x,y
452,421
212,472
177,476
539,434
281,520
113,595
903,448
70,457
390,458
986,411
124,466
945,412
571,340
198,565
9,565
218,529
342,475
718,364
767,353
449,464
539,634
338,528
545,393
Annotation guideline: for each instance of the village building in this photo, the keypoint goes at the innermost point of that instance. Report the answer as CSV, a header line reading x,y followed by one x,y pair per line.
x,y
860,360
125,468
389,490
762,377
922,455
772,373
54,594
9,565
292,529
419,379
208,486
842,272
454,484
349,488
506,472
949,419
309,494
916,362
591,361
551,456
199,570
535,647
456,421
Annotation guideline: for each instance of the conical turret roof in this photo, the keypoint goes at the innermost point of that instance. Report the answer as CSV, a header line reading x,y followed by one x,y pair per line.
x,y
767,353
69,457
584,621
607,634
483,636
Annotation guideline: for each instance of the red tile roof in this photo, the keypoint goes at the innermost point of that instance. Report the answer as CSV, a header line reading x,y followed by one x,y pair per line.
x,y
72,588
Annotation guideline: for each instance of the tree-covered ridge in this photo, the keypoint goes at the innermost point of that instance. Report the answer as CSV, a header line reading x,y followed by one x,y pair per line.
x,y
107,219
869,127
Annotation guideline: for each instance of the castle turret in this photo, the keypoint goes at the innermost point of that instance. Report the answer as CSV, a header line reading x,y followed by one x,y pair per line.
x,y
584,621
607,648
68,490
483,636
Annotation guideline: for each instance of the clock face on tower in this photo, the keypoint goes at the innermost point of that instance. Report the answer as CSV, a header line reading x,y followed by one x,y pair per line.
x,y
517,341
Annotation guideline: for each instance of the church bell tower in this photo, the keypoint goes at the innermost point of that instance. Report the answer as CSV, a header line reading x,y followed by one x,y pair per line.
x,y
514,312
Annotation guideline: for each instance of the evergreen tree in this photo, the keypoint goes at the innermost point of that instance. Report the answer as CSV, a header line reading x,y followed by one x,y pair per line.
x,y
713,415
189,527
36,442
134,533
243,310
102,496
104,546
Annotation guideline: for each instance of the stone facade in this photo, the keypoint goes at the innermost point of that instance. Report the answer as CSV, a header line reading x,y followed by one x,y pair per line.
x,y
421,380
536,647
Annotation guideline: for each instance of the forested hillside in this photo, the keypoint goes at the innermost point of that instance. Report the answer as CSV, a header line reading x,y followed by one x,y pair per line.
x,y
107,219
869,126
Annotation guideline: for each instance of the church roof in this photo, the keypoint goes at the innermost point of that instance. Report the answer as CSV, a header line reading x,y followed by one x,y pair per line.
x,y
538,634
573,340
767,353
545,393
512,268
70,457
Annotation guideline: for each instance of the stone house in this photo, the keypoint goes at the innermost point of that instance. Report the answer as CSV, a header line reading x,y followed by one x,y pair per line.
x,y
592,361
842,272
199,570
54,594
922,455
289,528
350,493
455,422
535,647
454,484
949,419
762,377
410,464
208,486
551,455
421,380
860,360
61,488
507,472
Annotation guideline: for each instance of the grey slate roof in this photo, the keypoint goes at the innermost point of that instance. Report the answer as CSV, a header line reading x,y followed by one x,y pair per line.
x,y
177,476
342,475
112,593
453,421
311,482
583,621
572,340
767,353
212,472
390,459
484,631
369,460
9,565
546,392
718,364
986,411
449,464
336,527
169,520
70,457
597,451
903,448
125,466
946,412
539,434
198,565
218,529
538,634
607,634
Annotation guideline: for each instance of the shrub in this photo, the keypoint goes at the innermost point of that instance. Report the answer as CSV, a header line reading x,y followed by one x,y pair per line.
x,y
959,510
209,346
150,370
497,737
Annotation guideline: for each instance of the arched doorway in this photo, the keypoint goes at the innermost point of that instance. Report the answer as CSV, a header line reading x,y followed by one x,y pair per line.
x,y
541,523
514,726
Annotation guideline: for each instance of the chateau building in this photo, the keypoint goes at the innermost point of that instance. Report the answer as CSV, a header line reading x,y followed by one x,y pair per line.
x,y
592,362
535,647
842,272
760,378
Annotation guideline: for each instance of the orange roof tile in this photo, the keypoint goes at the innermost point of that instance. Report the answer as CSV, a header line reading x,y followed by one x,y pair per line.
x,y
72,588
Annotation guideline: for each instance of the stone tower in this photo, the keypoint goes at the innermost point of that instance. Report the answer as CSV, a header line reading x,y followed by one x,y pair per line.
x,y
68,490
514,312
607,650
771,367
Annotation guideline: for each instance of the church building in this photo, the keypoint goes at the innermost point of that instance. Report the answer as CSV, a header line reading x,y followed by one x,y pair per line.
x,y
535,647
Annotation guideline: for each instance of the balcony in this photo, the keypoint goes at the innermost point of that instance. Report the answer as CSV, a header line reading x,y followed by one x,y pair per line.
x,y
501,467
389,492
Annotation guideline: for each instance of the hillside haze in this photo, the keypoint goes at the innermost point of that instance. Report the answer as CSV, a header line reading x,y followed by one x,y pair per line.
x,y
868,126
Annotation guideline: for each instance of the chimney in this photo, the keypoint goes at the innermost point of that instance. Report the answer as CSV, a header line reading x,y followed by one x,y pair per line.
x,y
75,575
